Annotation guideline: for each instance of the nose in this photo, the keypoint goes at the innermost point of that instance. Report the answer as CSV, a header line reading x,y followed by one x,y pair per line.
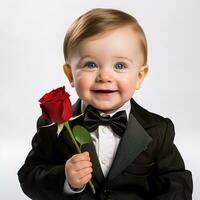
x,y
104,75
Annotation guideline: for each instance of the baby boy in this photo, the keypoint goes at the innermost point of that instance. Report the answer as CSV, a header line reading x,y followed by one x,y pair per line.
x,y
106,61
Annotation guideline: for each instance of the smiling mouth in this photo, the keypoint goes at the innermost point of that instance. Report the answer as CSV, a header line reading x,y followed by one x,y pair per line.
x,y
104,91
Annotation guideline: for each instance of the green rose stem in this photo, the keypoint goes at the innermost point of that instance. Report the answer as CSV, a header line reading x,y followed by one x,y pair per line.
x,y
78,150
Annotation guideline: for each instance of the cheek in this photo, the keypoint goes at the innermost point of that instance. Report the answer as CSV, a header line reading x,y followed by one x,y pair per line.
x,y
128,84
82,83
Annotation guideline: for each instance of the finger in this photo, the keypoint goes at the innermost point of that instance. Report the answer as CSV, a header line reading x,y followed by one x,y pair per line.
x,y
84,172
81,165
86,153
79,157
85,179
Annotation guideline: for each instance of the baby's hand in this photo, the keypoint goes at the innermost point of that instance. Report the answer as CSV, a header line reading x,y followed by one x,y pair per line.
x,y
78,170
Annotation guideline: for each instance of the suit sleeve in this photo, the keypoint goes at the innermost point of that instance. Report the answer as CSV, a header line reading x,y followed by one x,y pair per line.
x,y
42,176
172,180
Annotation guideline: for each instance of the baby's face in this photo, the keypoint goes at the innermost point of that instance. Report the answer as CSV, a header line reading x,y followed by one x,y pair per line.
x,y
107,69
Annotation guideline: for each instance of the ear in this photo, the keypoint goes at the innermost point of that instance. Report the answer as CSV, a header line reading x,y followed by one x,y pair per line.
x,y
143,71
68,73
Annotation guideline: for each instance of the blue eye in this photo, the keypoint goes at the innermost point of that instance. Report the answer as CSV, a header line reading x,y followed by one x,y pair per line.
x,y
90,65
119,66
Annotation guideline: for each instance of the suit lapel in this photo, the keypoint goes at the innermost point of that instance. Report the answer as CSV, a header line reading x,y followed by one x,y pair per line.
x,y
133,142
78,119
97,171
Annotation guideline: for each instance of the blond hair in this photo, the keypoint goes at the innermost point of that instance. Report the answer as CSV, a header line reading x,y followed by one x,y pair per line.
x,y
98,21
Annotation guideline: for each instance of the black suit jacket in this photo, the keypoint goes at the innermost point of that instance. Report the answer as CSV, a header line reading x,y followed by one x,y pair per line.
x,y
147,164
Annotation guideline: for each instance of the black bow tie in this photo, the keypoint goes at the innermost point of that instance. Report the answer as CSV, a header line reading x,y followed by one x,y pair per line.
x,y
92,119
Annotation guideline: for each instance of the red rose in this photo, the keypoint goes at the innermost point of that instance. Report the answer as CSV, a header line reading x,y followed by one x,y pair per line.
x,y
56,106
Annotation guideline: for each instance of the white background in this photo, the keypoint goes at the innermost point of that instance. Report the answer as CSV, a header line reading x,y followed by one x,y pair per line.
x,y
31,59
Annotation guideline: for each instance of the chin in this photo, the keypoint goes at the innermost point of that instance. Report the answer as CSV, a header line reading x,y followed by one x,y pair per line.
x,y
106,109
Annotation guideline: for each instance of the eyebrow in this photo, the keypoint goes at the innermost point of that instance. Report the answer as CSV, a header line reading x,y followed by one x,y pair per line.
x,y
121,57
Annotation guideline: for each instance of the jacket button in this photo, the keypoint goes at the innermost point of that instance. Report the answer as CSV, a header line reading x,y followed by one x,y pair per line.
x,y
106,191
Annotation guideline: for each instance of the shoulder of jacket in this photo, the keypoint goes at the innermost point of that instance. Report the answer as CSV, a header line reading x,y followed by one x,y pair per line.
x,y
149,118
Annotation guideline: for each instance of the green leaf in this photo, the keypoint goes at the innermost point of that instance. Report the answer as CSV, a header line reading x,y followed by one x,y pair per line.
x,y
81,135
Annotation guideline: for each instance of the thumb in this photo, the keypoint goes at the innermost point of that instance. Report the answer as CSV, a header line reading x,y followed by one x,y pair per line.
x,y
86,153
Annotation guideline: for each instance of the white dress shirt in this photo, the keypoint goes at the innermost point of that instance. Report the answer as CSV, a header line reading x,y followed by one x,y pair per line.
x,y
106,143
